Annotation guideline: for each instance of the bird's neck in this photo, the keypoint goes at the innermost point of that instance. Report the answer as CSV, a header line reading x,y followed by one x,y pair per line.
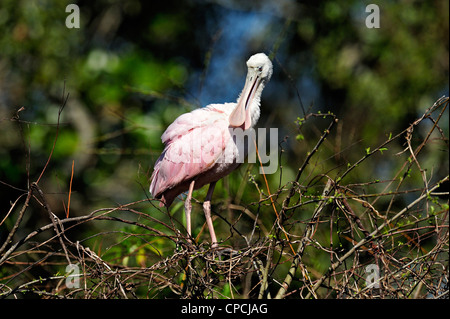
x,y
254,110
254,106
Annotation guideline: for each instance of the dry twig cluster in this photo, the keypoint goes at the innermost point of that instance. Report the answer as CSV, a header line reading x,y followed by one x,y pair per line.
x,y
328,238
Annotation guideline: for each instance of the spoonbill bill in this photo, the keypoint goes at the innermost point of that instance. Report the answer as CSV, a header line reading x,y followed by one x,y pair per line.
x,y
201,146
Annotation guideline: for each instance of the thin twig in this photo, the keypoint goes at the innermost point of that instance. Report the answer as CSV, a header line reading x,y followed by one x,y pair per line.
x,y
373,235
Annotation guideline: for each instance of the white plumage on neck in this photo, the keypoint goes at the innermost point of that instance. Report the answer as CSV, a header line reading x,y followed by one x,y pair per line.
x,y
246,112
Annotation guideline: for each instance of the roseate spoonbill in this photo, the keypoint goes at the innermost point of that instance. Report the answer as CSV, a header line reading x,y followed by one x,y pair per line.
x,y
200,146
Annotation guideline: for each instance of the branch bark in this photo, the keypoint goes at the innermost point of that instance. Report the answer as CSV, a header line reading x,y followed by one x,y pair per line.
x,y
373,235
309,231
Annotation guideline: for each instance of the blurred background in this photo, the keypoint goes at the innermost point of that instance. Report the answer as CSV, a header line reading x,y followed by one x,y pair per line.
x,y
133,66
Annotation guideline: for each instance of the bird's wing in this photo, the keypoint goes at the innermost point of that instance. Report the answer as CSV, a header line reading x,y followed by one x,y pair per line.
x,y
193,143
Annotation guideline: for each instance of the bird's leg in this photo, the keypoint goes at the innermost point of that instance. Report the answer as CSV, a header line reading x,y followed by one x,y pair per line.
x,y
207,211
188,208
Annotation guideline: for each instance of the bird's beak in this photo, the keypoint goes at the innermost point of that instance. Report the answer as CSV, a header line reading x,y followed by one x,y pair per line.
x,y
241,114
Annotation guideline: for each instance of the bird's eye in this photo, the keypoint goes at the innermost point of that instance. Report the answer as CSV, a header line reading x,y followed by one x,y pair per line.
x,y
260,68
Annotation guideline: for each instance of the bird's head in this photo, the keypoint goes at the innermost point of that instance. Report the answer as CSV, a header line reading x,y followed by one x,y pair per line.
x,y
259,73
259,65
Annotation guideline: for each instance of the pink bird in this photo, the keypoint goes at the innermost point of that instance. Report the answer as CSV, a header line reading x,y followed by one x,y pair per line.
x,y
201,146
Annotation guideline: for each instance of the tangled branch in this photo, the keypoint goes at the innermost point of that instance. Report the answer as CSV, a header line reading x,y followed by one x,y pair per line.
x,y
333,236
